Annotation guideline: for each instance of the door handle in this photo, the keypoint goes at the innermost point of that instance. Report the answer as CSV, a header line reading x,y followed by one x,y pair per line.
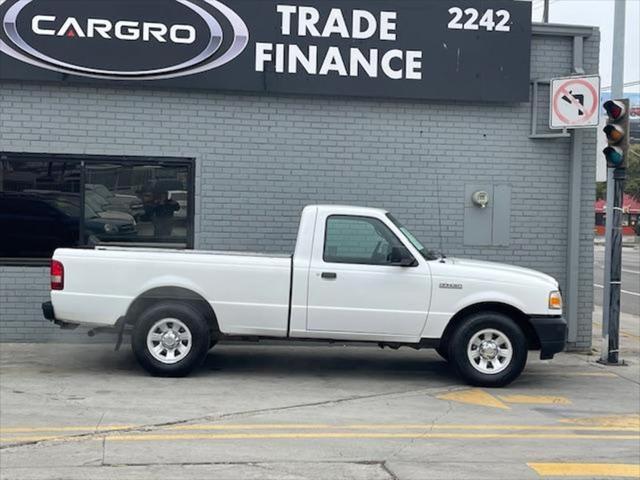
x,y
329,275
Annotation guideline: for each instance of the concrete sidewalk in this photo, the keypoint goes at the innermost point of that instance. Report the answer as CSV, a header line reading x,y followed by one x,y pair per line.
x,y
629,336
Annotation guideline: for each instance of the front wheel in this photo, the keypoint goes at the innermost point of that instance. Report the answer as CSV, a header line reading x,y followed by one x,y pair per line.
x,y
170,339
488,349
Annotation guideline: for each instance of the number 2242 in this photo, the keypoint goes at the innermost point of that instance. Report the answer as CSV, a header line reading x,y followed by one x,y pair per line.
x,y
486,21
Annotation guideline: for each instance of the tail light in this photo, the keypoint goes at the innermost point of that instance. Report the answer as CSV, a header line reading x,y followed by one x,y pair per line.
x,y
57,275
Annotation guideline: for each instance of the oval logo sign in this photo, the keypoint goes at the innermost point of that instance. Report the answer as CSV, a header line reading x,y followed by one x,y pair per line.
x,y
122,40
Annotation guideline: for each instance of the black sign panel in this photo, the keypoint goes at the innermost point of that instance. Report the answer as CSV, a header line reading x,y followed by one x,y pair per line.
x,y
423,49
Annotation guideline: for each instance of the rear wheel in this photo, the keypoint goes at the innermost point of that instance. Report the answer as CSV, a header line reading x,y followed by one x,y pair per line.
x,y
488,349
170,339
443,351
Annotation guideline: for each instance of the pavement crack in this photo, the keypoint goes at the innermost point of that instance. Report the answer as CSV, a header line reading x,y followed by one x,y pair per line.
x,y
424,433
388,471
100,421
314,404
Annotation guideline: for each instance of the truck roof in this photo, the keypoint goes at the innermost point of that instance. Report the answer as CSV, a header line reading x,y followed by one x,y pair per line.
x,y
347,209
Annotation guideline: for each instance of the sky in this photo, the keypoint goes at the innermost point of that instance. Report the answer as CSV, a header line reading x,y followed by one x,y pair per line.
x,y
600,13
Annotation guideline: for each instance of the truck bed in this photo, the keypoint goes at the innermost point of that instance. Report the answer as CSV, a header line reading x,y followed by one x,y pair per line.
x,y
249,292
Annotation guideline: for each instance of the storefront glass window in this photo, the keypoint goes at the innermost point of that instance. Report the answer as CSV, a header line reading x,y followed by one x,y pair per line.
x,y
48,202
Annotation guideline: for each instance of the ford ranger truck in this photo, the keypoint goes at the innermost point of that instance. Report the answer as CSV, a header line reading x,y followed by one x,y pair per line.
x,y
356,275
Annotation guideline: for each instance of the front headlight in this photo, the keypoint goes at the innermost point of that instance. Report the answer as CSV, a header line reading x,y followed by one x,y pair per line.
x,y
555,301
109,228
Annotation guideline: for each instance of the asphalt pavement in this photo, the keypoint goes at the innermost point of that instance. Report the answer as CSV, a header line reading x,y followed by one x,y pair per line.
x,y
300,412
630,295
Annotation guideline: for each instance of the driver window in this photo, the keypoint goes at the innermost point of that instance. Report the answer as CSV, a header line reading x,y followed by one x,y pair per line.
x,y
360,240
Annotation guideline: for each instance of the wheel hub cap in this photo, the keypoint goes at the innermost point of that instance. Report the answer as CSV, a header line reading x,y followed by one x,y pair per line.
x,y
169,339
488,350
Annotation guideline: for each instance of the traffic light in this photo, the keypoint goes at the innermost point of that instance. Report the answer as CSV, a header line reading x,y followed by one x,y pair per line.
x,y
617,132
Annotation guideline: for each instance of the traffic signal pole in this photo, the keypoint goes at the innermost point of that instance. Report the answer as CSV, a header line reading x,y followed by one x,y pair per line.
x,y
616,268
617,133
611,326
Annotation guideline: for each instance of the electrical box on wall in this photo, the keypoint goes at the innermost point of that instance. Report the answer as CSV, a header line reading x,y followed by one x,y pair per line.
x,y
487,214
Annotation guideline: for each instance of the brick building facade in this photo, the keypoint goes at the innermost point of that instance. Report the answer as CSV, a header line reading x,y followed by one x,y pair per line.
x,y
259,159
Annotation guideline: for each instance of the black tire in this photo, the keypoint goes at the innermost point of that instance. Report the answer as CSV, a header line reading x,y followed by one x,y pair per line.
x,y
189,317
473,325
443,351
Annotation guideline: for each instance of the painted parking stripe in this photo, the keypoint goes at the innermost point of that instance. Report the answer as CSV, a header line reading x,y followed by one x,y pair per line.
x,y
65,429
623,420
478,396
160,437
609,426
535,399
474,396
626,470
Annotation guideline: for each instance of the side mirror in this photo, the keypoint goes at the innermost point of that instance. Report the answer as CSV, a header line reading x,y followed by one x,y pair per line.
x,y
401,257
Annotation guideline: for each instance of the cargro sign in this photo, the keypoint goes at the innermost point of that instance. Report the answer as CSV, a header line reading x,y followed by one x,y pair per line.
x,y
439,49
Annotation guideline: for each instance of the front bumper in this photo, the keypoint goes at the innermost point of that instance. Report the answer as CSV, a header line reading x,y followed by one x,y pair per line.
x,y
552,333
49,314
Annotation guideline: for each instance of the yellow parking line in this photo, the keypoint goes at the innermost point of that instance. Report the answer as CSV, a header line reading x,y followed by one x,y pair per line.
x,y
141,437
624,424
337,435
535,399
624,420
23,438
586,469
105,428
408,427
473,396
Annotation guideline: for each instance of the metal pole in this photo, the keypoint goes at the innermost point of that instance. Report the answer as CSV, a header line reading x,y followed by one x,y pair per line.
x,y
607,266
616,267
545,12
610,325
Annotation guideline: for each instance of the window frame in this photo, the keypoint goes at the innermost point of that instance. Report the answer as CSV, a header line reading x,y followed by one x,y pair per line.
x,y
326,229
84,160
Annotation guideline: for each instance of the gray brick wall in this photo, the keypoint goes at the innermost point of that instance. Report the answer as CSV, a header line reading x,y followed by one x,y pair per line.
x,y
261,158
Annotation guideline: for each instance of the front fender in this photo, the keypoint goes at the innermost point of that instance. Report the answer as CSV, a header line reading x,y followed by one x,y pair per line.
x,y
446,305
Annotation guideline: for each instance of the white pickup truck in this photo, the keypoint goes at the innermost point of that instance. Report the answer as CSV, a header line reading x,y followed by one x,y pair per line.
x,y
357,275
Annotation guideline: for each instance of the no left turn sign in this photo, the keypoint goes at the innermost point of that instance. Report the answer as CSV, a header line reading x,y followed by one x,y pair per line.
x,y
575,102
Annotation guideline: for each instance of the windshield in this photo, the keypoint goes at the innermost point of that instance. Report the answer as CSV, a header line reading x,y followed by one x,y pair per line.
x,y
427,254
95,201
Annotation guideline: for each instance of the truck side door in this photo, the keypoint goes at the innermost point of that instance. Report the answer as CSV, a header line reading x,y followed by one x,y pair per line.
x,y
354,287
